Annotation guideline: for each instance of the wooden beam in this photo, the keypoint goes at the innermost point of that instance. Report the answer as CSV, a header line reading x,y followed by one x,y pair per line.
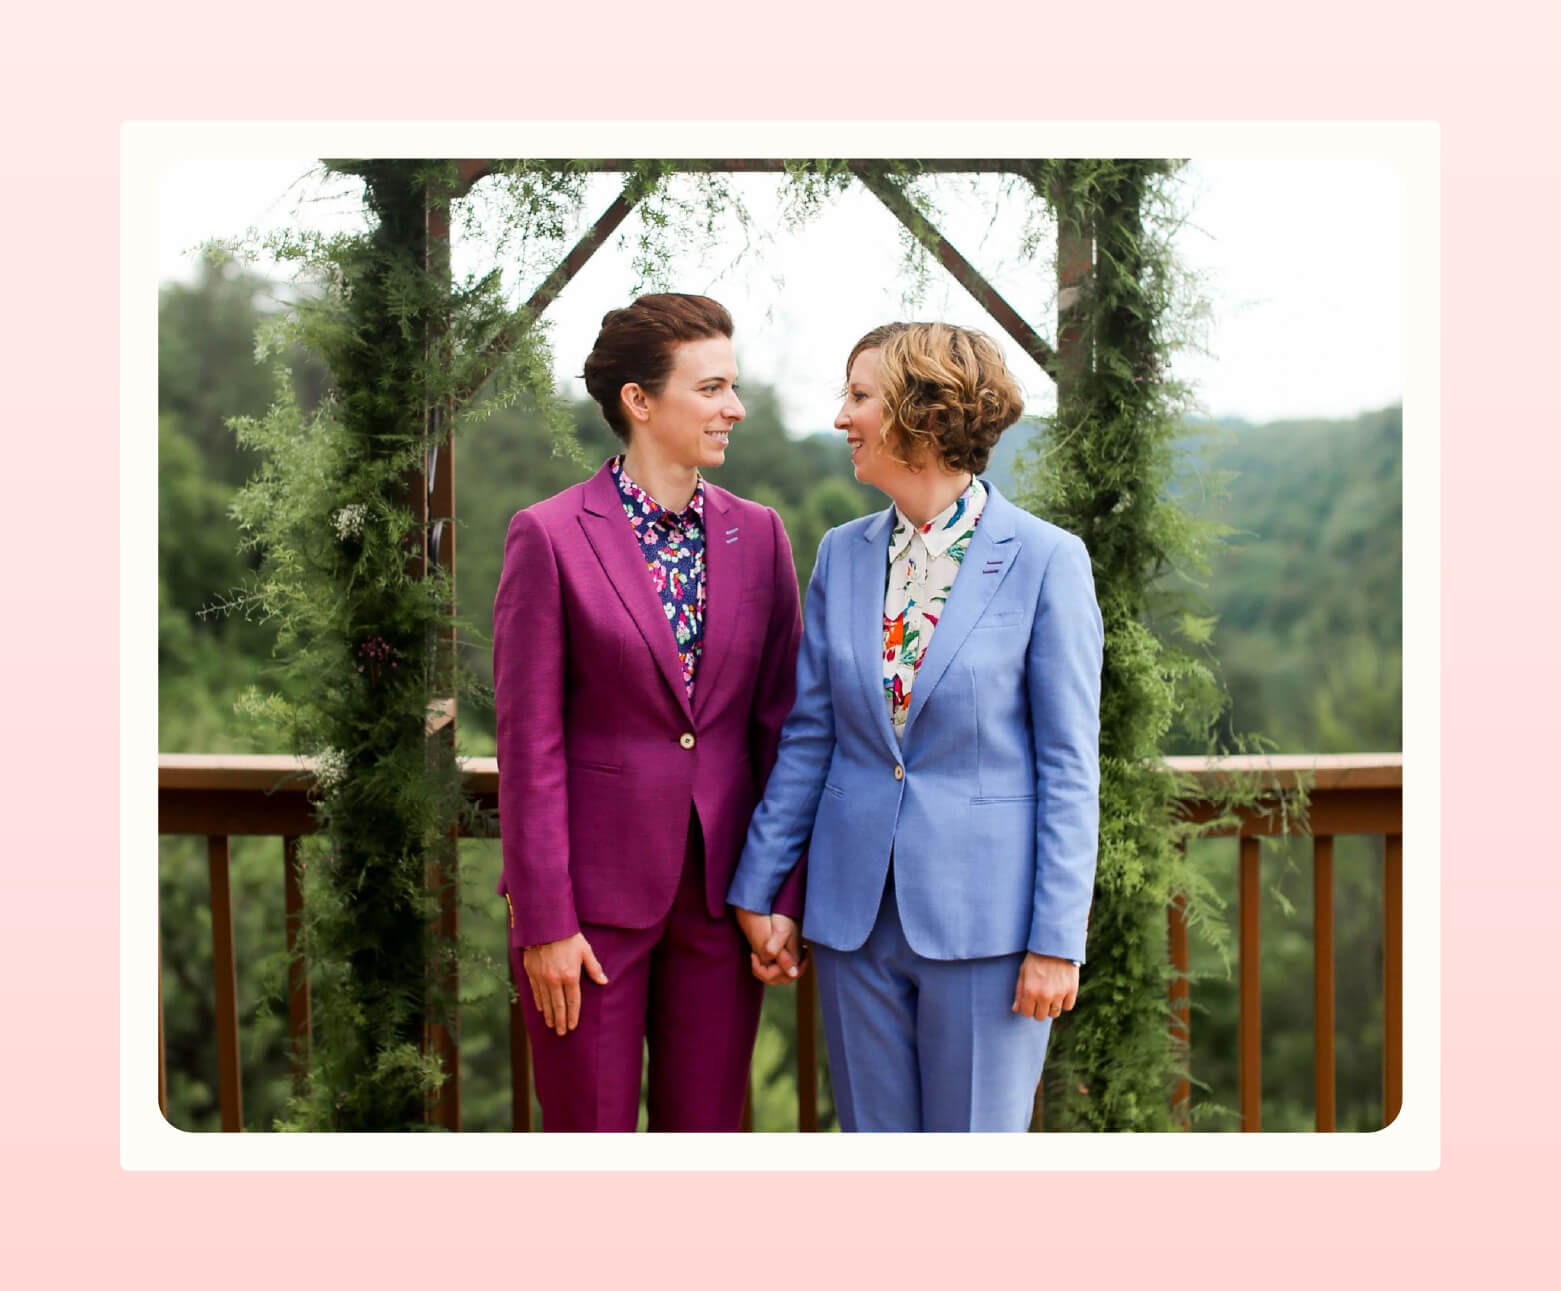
x,y
590,242
1007,317
777,165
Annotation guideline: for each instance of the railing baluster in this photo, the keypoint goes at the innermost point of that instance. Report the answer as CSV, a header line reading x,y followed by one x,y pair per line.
x,y
443,874
298,1019
1322,982
1392,977
807,1051
519,1053
162,1058
225,974
1181,1008
1250,1025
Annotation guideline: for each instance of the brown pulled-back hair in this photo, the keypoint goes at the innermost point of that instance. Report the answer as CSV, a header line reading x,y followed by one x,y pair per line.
x,y
945,391
635,345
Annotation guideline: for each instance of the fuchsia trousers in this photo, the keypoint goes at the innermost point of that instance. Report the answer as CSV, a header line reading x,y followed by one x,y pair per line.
x,y
682,988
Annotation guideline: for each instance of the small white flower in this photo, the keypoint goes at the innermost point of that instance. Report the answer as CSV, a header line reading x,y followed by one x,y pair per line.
x,y
330,769
349,521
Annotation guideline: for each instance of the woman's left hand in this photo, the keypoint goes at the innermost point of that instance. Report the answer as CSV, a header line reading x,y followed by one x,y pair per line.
x,y
1047,987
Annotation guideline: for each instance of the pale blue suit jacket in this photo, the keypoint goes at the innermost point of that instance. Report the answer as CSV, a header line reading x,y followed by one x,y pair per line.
x,y
990,806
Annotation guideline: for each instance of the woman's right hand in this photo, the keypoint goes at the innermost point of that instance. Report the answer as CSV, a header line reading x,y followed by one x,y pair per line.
x,y
553,969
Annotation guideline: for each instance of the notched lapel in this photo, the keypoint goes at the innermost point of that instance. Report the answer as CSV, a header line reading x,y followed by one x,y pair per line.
x,y
724,556
613,541
870,567
990,556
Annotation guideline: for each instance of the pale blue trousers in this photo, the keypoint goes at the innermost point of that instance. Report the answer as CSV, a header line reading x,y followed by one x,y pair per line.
x,y
926,1044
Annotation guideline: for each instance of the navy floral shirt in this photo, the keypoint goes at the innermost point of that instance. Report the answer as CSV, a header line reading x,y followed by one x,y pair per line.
x,y
674,549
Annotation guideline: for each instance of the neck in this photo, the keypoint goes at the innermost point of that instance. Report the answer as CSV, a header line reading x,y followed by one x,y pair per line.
x,y
924,494
670,483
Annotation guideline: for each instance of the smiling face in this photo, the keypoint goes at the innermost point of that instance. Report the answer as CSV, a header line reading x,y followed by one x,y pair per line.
x,y
689,422
862,418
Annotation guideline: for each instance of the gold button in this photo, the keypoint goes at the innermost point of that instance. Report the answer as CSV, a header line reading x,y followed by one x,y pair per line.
x,y
899,773
686,739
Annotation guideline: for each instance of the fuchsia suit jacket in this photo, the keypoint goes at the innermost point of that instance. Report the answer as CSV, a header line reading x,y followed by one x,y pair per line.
x,y
600,751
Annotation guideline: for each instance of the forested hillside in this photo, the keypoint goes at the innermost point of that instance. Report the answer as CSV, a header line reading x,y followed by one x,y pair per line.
x,y
1309,640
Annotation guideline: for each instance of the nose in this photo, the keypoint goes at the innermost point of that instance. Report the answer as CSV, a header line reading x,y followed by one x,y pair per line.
x,y
842,420
734,407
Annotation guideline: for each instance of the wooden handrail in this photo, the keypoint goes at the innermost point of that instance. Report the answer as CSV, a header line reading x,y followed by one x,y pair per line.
x,y
282,774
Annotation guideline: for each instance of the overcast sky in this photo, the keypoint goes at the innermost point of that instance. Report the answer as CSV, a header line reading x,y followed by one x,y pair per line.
x,y
1300,263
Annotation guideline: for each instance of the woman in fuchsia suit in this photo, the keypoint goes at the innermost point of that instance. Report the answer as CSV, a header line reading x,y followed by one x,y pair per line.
x,y
645,639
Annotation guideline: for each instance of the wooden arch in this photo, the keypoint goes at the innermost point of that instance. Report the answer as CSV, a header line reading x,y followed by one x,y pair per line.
x,y
432,490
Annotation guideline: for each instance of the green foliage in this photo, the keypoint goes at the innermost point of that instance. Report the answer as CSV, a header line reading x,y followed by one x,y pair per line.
x,y
358,631
1309,499
1106,470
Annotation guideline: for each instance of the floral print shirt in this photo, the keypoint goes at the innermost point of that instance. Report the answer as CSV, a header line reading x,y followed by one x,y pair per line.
x,y
923,560
674,550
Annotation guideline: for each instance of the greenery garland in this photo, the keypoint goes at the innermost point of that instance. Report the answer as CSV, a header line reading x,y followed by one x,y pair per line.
x,y
358,630
1108,470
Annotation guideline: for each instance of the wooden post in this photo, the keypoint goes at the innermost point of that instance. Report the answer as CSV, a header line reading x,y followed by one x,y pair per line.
x,y
298,1020
1251,991
225,975
1392,977
162,1057
1322,982
1181,1008
519,1056
1075,263
438,508
807,1051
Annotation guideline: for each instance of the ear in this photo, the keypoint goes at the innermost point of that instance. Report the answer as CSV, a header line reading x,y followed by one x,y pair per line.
x,y
636,401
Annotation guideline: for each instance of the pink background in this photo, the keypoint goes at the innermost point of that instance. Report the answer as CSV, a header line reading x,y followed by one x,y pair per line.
x,y
69,1216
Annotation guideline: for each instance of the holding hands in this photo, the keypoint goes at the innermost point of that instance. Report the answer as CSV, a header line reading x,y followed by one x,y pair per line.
x,y
777,946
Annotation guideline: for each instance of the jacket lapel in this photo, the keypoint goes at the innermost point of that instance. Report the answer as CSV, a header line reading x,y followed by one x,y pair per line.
x,y
723,590
870,566
618,550
987,562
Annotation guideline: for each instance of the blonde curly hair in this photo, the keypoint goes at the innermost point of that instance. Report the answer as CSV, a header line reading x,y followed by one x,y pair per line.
x,y
945,392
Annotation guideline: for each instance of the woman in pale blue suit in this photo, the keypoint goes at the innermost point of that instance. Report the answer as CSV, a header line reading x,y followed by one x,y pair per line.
x,y
941,764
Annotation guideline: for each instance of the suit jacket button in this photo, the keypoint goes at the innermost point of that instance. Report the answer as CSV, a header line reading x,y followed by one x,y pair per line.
x,y
686,739
899,773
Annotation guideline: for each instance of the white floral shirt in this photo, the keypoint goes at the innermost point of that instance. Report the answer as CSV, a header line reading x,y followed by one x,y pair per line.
x,y
923,560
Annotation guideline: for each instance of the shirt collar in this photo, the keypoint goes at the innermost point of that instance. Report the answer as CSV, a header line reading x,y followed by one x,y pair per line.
x,y
633,494
955,521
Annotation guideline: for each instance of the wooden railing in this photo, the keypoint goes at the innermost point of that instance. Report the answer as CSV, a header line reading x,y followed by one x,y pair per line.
x,y
221,796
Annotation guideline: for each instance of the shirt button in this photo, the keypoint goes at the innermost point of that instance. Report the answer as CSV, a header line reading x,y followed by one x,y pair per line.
x,y
899,773
686,739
